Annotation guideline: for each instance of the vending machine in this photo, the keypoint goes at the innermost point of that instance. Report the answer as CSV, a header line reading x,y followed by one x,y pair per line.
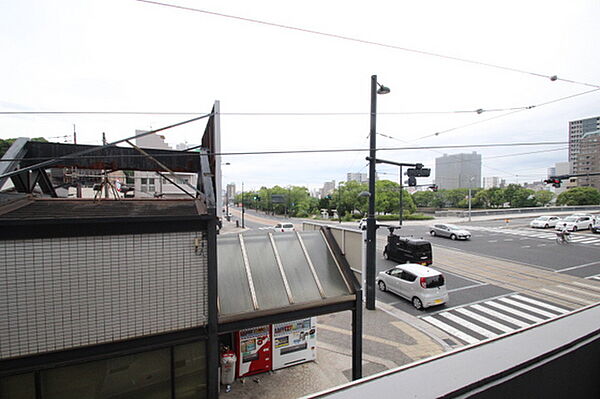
x,y
253,351
294,342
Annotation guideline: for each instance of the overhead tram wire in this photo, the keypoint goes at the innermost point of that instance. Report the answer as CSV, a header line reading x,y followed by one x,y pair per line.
x,y
369,42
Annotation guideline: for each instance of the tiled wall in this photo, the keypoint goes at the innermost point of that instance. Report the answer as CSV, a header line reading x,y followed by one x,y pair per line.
x,y
62,293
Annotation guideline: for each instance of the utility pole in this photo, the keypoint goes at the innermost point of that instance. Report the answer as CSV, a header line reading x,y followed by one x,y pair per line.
x,y
243,209
401,195
370,272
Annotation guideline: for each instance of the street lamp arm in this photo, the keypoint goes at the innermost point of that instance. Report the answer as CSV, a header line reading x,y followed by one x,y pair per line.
x,y
379,160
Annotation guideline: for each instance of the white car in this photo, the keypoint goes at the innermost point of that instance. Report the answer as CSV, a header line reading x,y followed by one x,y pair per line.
x,y
421,285
284,227
544,222
574,223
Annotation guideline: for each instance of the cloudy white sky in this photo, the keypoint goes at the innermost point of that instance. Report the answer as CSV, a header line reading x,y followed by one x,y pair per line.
x,y
126,55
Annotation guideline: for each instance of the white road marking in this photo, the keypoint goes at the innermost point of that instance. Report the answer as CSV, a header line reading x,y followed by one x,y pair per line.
x,y
564,287
577,267
485,320
451,330
570,297
508,239
492,240
541,245
594,277
469,325
539,303
500,316
526,316
591,287
528,308
526,246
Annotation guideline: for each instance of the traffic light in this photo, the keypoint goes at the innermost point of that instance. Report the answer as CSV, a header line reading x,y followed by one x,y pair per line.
x,y
412,181
418,171
554,181
433,187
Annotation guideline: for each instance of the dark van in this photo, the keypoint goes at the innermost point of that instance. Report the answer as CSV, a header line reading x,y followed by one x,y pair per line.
x,y
408,250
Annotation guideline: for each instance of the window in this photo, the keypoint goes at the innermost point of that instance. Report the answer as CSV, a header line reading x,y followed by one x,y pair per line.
x,y
18,386
190,371
407,276
396,273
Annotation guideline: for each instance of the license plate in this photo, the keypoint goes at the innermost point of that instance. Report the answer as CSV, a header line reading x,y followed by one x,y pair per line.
x,y
437,301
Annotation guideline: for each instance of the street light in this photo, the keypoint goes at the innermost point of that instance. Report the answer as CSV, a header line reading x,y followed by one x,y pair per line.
x,y
243,209
371,239
471,179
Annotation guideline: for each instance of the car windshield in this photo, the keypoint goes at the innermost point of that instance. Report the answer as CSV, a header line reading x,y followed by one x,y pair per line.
x,y
288,225
543,218
434,281
452,227
571,219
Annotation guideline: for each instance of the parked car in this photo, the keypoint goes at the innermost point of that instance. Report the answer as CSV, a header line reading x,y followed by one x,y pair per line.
x,y
284,227
596,227
449,230
421,285
574,223
544,222
408,250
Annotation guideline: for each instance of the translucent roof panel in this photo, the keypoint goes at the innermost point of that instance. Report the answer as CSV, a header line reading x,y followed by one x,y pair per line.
x,y
325,266
234,291
302,283
266,276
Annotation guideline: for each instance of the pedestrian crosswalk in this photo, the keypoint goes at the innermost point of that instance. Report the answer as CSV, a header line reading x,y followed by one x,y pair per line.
x,y
591,239
490,319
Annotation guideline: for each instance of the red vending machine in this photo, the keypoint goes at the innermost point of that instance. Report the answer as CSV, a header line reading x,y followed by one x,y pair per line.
x,y
294,342
253,350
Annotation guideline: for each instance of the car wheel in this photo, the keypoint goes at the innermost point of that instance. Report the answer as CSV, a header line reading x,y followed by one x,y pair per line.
x,y
382,286
546,226
432,233
453,237
574,228
417,303
385,255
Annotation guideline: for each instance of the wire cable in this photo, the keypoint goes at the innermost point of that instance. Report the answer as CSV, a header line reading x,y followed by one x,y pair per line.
x,y
369,42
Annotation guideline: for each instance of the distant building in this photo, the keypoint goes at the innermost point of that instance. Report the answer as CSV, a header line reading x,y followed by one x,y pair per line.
x,y
358,177
458,171
536,185
151,184
492,182
328,188
577,129
230,192
588,160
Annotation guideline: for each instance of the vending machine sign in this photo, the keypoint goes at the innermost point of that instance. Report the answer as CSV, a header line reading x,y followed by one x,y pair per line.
x,y
254,351
294,342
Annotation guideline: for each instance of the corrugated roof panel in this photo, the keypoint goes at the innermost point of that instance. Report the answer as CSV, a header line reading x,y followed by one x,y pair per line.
x,y
302,284
327,270
234,291
268,282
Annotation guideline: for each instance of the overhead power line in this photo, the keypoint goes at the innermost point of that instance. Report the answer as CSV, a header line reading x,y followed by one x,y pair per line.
x,y
368,42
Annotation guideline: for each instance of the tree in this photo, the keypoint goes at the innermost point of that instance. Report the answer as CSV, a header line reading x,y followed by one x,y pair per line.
x,y
522,197
423,198
543,197
496,197
6,143
579,196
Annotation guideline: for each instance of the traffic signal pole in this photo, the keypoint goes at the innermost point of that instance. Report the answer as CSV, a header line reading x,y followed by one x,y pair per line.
x,y
401,195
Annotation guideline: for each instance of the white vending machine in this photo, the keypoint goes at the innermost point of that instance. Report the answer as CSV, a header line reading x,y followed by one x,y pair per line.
x,y
294,342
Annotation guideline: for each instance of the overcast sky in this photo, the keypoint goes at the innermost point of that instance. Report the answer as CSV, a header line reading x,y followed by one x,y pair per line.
x,y
126,55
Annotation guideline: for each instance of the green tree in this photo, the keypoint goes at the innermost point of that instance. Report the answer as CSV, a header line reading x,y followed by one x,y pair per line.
x,y
523,197
6,143
423,198
543,197
579,196
496,197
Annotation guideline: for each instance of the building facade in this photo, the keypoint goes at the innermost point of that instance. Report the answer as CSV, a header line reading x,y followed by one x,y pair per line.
x,y
493,182
458,171
577,129
588,160
328,188
358,177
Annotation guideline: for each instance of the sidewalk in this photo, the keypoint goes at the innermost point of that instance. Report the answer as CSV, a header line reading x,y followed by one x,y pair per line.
x,y
388,342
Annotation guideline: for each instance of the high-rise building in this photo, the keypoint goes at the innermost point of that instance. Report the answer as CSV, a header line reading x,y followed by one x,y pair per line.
x,y
588,160
577,129
328,188
358,177
230,192
491,182
458,171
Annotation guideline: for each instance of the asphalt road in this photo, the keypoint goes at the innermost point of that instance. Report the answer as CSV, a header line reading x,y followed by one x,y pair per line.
x,y
522,244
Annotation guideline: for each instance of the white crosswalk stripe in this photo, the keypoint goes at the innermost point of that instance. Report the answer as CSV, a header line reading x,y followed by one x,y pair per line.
x,y
476,322
579,238
597,278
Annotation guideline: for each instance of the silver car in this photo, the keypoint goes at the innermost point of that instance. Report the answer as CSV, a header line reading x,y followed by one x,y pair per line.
x,y
449,230
421,285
